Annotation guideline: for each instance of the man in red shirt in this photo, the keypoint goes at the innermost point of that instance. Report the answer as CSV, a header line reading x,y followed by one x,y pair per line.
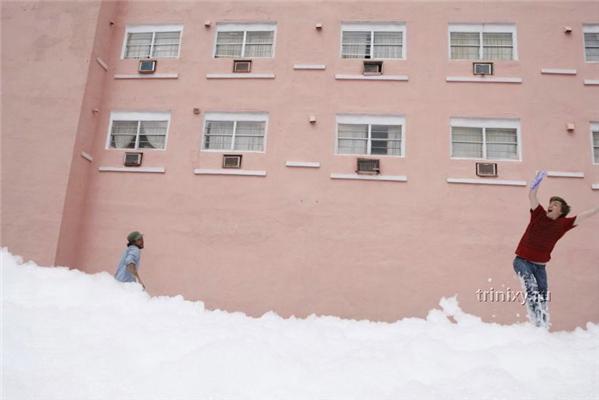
x,y
534,250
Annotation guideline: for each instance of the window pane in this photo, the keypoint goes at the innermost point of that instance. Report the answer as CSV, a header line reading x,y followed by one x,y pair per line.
x,y
595,138
498,135
355,44
352,131
467,142
152,134
591,44
166,44
122,134
464,45
497,46
138,45
259,44
218,135
391,139
249,143
351,146
502,151
249,136
387,44
250,128
228,44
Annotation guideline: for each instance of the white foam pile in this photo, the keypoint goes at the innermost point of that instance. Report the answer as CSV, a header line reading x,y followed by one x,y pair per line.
x,y
71,335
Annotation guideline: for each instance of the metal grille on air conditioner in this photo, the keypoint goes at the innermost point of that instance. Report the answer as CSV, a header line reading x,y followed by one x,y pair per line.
x,y
482,68
373,67
242,66
486,169
133,159
232,161
146,66
368,166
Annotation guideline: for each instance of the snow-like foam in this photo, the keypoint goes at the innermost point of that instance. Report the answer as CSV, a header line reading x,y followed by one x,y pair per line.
x,y
71,335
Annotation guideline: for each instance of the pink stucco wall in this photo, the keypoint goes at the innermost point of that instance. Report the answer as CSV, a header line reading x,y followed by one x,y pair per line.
x,y
296,241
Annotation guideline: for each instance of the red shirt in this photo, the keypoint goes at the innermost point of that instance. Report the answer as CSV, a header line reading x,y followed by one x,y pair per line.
x,y
542,233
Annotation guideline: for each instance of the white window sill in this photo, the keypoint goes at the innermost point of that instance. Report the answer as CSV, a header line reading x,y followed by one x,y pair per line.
x,y
386,178
236,172
558,71
595,186
470,79
302,164
498,182
562,174
398,78
148,170
146,76
318,67
591,82
240,76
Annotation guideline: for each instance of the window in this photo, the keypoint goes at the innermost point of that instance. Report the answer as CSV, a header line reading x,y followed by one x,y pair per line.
x,y
360,40
138,130
591,43
235,131
375,135
245,40
160,41
482,42
595,139
485,139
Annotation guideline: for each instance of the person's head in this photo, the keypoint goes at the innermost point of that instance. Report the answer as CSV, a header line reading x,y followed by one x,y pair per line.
x,y
558,207
135,238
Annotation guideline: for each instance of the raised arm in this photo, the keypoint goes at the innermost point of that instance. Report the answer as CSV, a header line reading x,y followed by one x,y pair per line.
x,y
534,187
585,214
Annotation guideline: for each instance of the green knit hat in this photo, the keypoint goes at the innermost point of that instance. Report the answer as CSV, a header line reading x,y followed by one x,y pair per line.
x,y
134,236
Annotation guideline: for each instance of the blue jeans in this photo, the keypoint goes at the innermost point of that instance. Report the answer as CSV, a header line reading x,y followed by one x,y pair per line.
x,y
534,282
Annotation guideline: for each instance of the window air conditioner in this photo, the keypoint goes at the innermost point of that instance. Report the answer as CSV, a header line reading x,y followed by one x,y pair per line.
x,y
482,68
486,169
368,166
373,68
242,66
146,66
133,159
232,161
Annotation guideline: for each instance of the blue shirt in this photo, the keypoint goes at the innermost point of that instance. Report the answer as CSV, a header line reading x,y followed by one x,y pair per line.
x,y
130,256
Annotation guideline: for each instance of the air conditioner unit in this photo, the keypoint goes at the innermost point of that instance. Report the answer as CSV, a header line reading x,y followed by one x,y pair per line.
x,y
482,68
368,166
146,66
242,66
486,169
232,161
133,159
373,68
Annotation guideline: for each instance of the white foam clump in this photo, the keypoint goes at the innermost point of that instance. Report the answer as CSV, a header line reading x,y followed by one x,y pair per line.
x,y
71,335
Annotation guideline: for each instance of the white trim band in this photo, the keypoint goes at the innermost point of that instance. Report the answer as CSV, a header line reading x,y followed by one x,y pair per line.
x,y
399,78
595,186
387,178
147,76
237,172
309,67
469,181
558,71
240,76
562,174
150,170
483,80
302,164
102,64
87,156
591,82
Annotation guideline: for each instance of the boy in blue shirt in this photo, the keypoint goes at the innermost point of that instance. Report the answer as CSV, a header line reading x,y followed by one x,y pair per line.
x,y
128,269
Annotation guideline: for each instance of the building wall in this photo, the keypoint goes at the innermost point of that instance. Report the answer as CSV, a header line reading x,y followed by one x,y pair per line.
x,y
298,242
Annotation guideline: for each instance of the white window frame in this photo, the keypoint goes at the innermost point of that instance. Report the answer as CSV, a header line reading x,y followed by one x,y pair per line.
x,y
483,28
588,28
138,116
375,27
366,119
486,123
594,128
152,29
246,27
234,117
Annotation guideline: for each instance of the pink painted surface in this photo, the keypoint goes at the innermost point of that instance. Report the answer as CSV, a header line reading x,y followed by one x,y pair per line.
x,y
296,241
